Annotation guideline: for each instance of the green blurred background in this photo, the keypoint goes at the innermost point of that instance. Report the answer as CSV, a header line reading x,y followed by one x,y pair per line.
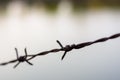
x,y
51,5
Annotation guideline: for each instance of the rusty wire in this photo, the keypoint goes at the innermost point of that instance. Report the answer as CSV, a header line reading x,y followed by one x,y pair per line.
x,y
66,49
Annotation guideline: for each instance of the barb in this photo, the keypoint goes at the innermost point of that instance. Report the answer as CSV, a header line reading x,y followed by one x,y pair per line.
x,y
66,49
22,58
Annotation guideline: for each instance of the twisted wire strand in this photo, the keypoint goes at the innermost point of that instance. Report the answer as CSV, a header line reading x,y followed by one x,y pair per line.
x,y
66,49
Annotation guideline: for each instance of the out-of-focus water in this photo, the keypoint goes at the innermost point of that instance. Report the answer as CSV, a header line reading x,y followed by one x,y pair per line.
x,y
38,30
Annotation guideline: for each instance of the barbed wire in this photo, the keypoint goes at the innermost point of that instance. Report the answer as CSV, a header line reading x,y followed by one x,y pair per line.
x,y
66,49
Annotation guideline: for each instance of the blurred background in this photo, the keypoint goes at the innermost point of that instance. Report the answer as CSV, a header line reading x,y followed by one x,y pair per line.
x,y
37,24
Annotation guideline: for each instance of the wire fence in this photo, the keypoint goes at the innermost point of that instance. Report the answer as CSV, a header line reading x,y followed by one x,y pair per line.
x,y
67,48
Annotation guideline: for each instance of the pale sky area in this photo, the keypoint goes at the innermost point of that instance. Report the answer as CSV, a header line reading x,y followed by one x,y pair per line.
x,y
38,30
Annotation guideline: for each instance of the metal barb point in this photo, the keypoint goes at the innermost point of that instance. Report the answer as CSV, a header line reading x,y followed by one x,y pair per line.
x,y
64,55
59,44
